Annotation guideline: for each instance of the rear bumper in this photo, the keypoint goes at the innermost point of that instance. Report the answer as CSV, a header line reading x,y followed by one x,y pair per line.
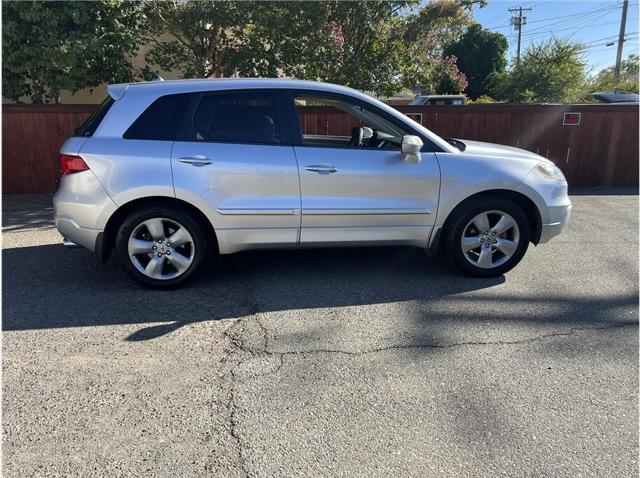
x,y
82,236
82,208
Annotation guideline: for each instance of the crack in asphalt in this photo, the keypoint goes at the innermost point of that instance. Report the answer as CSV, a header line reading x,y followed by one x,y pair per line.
x,y
230,404
569,332
237,344
233,425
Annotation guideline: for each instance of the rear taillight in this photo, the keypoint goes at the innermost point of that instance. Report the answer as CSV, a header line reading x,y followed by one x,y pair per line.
x,y
72,164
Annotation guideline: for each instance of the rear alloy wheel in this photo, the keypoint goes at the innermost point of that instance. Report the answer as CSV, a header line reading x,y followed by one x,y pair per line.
x,y
489,238
161,247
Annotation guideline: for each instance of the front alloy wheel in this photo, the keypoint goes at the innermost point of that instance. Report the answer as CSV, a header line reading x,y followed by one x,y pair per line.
x,y
488,237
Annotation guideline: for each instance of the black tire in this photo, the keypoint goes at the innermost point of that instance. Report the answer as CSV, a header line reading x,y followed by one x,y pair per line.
x,y
171,213
461,217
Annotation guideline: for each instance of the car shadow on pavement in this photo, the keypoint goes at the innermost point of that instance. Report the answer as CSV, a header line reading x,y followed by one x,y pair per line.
x,y
51,286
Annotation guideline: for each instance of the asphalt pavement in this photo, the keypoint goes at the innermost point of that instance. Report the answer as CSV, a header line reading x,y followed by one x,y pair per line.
x,y
325,363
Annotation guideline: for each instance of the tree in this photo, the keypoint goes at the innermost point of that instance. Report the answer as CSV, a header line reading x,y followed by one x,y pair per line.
x,y
52,46
374,45
606,80
479,53
548,72
427,68
353,43
203,38
360,45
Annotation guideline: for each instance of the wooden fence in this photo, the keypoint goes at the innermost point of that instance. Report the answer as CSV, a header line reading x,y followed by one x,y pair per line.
x,y
601,151
31,138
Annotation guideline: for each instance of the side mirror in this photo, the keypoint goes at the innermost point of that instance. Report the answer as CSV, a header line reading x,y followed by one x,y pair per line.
x,y
411,146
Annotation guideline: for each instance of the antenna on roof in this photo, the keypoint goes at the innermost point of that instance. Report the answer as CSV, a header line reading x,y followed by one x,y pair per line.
x,y
157,76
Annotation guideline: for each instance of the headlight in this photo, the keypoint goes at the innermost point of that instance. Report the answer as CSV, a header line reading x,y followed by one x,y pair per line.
x,y
549,171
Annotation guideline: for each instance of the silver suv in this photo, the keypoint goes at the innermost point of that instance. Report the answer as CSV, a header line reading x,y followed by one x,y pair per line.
x,y
170,173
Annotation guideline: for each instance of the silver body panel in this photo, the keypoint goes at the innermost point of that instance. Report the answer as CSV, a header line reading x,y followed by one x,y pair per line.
x,y
263,196
250,193
373,195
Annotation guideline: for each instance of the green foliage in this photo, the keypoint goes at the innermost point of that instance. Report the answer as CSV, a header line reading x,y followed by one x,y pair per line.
x,y
373,45
606,80
484,99
358,44
630,66
48,47
353,43
549,72
203,38
427,68
479,53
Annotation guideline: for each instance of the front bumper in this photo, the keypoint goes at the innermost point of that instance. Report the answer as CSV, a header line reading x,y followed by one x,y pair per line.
x,y
552,201
560,216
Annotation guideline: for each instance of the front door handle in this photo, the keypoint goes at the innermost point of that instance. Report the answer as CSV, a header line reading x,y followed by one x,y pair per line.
x,y
197,160
321,168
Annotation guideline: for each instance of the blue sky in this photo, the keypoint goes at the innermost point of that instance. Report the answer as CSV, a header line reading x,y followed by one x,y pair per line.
x,y
594,23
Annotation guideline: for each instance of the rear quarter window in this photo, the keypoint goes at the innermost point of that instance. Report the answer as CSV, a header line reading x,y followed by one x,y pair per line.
x,y
161,120
93,121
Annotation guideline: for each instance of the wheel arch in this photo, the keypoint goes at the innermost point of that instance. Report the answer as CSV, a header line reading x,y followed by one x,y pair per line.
x,y
107,239
526,204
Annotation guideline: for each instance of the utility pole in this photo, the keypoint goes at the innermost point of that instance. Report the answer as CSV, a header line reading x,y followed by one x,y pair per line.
x,y
623,21
517,22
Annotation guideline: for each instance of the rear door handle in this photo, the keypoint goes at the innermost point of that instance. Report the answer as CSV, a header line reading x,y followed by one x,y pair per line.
x,y
321,168
197,160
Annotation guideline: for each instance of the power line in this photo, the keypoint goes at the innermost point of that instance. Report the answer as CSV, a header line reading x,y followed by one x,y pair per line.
x,y
581,23
598,9
607,41
607,46
575,23
575,27
578,23
581,14
602,39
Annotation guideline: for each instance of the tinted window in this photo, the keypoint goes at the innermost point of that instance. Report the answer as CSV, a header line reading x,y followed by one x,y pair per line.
x,y
94,120
245,117
161,120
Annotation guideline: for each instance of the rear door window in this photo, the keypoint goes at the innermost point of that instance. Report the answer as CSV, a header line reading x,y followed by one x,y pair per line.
x,y
161,120
254,117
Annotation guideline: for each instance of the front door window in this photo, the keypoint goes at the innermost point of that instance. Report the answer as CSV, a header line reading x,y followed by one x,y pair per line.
x,y
332,122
